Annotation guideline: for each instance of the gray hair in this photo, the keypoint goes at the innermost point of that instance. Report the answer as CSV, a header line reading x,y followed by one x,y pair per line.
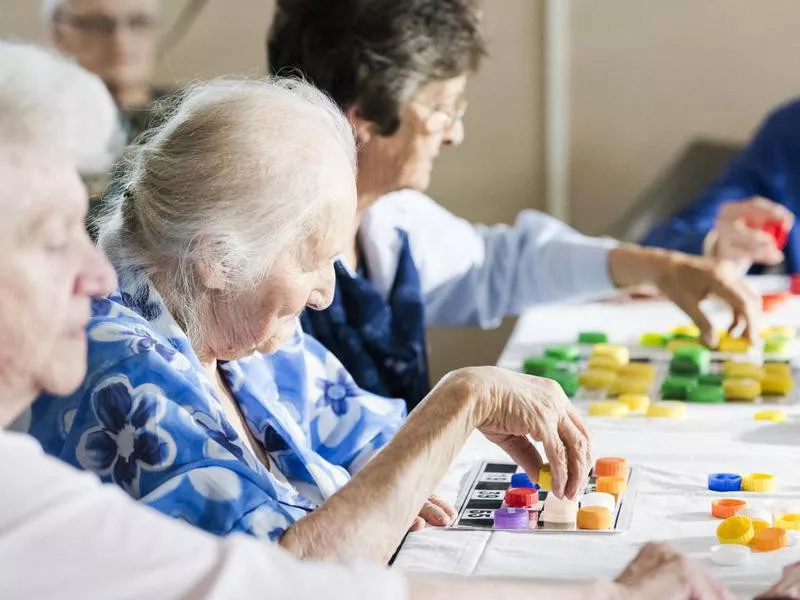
x,y
228,168
48,100
50,9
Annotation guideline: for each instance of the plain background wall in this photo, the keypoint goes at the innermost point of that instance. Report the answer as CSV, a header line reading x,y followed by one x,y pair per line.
x,y
647,77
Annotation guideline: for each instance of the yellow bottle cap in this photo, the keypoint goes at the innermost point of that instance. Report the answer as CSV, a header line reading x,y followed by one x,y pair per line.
x,y
790,522
630,385
667,409
615,410
758,482
734,345
771,415
640,370
687,330
545,479
604,363
776,368
597,379
741,389
620,353
736,530
636,403
734,370
776,384
785,331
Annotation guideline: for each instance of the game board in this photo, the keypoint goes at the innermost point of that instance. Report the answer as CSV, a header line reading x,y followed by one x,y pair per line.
x,y
486,484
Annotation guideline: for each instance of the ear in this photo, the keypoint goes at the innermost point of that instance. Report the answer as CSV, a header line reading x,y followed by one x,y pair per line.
x,y
210,271
361,127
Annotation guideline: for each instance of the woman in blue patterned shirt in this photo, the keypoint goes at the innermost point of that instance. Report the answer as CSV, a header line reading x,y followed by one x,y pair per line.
x,y
203,398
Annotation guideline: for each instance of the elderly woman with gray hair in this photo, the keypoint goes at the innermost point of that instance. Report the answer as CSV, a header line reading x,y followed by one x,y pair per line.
x,y
399,69
204,400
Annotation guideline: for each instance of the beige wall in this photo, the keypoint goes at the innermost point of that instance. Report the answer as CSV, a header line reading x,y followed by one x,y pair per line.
x,y
650,75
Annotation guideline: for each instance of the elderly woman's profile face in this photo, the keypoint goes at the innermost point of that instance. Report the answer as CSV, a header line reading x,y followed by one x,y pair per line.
x,y
431,119
265,317
48,274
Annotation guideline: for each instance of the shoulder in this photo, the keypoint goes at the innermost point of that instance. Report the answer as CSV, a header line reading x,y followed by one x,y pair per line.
x,y
785,119
404,209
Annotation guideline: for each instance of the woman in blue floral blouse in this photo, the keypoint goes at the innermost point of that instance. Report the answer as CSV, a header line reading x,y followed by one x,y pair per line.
x,y
203,398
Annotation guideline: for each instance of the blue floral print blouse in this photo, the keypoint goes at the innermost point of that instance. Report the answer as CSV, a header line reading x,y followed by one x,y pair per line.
x,y
148,419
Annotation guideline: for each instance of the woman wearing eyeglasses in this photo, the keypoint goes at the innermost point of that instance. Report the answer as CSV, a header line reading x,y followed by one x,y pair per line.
x,y
399,68
116,40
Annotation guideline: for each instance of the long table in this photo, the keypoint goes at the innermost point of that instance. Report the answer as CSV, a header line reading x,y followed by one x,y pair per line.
x,y
675,458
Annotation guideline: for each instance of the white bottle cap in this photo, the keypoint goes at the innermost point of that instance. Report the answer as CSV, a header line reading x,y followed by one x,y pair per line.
x,y
599,499
730,555
756,514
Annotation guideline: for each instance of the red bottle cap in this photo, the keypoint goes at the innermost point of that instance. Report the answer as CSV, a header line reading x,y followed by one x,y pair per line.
x,y
521,497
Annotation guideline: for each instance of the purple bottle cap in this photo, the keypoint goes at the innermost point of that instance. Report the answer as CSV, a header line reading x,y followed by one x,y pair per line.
x,y
511,518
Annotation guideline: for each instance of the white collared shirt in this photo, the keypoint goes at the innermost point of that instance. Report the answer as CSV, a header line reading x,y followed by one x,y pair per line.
x,y
475,274
64,535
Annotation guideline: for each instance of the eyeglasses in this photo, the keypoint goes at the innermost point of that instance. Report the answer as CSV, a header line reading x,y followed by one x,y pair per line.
x,y
441,120
102,26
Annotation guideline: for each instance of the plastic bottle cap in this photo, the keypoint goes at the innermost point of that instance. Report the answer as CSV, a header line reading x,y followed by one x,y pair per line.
x,y
597,379
653,340
592,337
636,403
545,479
790,521
758,482
538,366
631,384
776,384
594,517
724,482
706,394
611,466
614,410
771,415
735,370
734,345
569,353
611,485
640,370
726,507
741,389
511,518
728,555
735,530
603,363
521,497
619,353
599,499
777,368
521,480
756,514
769,539
667,410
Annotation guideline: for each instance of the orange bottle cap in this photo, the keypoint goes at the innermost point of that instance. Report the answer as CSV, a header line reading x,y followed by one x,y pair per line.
x,y
594,517
611,467
726,507
611,485
769,539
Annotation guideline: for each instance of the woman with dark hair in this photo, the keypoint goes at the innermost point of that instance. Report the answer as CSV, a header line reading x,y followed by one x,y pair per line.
x,y
399,68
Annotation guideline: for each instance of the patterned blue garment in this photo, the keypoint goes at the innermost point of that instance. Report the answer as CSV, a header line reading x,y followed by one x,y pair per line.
x,y
380,342
148,419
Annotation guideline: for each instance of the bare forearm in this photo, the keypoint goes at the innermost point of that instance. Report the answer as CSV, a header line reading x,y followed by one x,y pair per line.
x,y
430,587
631,265
368,517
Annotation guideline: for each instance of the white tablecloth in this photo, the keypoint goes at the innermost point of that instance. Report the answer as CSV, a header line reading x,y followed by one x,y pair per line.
x,y
675,457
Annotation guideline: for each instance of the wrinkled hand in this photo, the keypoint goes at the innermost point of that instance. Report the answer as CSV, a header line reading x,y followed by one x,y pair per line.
x,y
739,237
434,512
510,407
688,280
787,587
659,573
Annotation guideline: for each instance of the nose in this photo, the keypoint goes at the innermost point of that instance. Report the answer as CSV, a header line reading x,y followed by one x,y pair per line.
x,y
455,134
322,296
96,277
